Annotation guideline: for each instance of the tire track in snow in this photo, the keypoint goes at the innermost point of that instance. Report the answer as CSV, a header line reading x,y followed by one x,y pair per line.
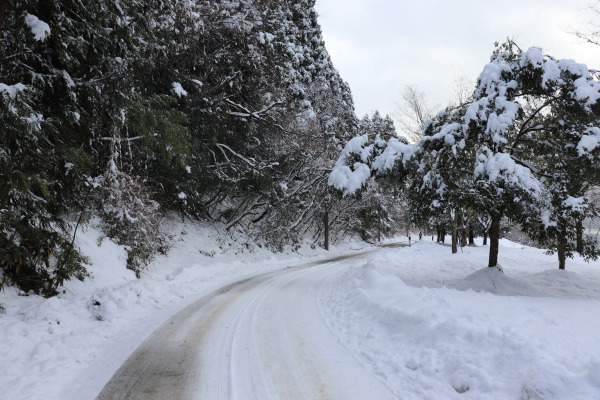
x,y
259,338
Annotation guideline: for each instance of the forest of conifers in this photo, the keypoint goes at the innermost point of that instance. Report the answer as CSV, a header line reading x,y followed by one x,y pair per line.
x,y
228,111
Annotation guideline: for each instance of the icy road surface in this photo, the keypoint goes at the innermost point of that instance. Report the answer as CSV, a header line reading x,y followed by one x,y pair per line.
x,y
259,338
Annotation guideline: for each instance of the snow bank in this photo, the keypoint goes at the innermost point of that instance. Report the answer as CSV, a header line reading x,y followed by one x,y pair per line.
x,y
435,326
67,347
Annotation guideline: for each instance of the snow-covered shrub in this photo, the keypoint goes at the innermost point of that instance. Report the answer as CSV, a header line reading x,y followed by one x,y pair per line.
x,y
130,216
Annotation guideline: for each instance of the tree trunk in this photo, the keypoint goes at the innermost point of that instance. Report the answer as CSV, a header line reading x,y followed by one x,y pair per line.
x,y
494,240
439,234
579,228
485,235
561,247
461,226
326,229
379,223
471,236
463,237
455,233
443,235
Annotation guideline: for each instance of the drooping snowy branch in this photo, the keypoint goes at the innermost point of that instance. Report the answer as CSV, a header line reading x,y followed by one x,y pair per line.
x,y
589,142
349,176
39,28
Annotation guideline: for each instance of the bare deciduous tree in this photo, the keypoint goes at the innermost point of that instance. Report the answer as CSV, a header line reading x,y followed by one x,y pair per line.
x,y
462,90
413,112
592,33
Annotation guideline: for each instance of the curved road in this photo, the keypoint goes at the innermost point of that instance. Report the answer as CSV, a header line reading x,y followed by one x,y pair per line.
x,y
260,338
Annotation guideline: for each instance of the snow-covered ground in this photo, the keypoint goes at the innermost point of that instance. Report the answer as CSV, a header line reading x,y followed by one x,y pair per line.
x,y
68,347
428,324
436,326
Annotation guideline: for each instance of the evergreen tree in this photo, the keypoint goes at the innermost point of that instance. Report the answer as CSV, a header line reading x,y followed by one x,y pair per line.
x,y
514,151
43,171
126,108
69,73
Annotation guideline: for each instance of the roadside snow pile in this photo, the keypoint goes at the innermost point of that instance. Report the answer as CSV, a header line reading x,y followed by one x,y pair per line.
x,y
67,347
492,280
432,325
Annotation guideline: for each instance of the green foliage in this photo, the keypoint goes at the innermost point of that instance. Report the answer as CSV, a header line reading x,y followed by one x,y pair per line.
x,y
37,254
163,130
91,123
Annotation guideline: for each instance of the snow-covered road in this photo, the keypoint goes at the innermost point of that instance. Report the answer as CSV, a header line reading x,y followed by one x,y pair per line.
x,y
259,338
411,323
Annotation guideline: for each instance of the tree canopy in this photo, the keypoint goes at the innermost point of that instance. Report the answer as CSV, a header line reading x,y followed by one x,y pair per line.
x,y
524,147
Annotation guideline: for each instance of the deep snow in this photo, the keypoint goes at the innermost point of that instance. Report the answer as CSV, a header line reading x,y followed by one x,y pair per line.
x,y
428,324
436,326
68,347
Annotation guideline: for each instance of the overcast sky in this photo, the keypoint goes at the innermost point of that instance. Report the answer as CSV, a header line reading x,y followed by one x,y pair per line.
x,y
379,46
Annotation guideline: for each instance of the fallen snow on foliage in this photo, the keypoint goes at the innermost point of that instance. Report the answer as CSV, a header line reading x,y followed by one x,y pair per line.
x,y
432,325
68,347
588,143
395,151
39,28
11,90
348,179
500,167
179,90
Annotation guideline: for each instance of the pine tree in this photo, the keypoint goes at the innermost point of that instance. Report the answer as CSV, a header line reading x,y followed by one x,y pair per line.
x,y
70,69
515,150
43,170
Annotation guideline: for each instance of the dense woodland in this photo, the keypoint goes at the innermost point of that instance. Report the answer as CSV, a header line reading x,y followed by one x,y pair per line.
x,y
124,111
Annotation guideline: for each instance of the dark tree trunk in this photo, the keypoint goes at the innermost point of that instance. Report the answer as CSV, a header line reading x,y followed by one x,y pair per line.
x,y
485,236
455,233
439,234
443,235
326,229
579,228
494,240
471,236
561,249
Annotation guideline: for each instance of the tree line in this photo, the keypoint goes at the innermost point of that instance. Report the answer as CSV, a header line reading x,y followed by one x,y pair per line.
x,y
525,146
127,110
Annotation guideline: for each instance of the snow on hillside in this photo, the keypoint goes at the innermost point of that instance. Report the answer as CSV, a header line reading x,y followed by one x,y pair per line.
x,y
436,326
67,347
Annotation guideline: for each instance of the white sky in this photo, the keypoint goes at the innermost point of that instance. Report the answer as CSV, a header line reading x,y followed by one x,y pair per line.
x,y
379,46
